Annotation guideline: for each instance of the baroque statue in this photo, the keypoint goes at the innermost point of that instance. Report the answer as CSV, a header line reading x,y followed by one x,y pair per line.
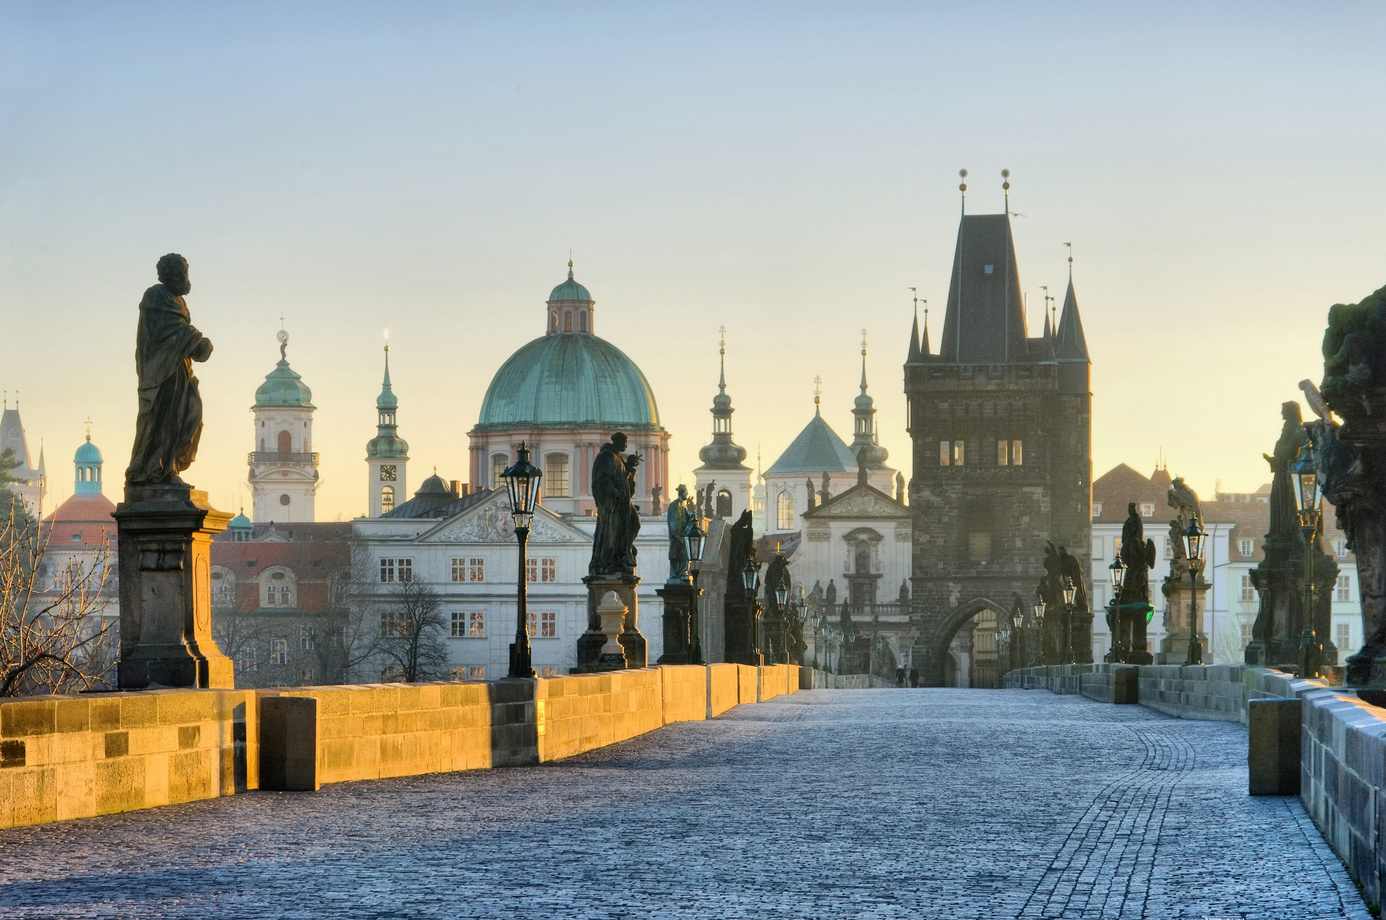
x,y
1185,502
682,517
169,424
618,520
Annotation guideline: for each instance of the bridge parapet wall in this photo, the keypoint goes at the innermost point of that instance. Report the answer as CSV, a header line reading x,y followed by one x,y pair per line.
x,y
94,754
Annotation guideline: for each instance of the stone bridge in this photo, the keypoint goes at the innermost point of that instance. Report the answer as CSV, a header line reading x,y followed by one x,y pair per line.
x,y
826,803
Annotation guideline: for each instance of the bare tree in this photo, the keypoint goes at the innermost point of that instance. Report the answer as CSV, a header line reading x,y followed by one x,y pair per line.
x,y
53,636
350,637
411,627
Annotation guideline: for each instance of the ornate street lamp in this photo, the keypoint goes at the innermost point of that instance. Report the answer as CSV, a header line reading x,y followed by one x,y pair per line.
x,y
1308,498
1193,549
1116,573
781,605
694,541
1037,654
1070,590
522,480
750,580
1017,637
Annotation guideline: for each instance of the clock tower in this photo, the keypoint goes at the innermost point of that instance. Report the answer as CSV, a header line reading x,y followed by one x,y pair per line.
x,y
386,453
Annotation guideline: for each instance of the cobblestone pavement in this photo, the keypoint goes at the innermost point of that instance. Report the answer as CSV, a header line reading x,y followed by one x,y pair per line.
x,y
826,804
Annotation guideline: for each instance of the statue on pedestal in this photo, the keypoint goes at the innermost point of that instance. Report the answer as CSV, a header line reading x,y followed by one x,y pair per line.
x,y
169,424
618,520
682,517
1138,556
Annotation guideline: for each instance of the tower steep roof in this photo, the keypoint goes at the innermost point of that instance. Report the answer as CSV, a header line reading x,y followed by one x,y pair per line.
x,y
1070,343
985,319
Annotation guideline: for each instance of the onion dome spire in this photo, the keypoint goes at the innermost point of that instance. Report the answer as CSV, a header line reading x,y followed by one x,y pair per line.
x,y
722,453
869,454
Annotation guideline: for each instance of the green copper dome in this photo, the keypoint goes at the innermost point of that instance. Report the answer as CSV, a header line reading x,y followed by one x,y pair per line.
x,y
282,387
87,454
570,289
572,380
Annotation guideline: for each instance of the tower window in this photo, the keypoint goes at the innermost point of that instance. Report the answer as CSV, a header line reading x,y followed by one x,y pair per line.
x,y
556,475
1016,453
498,465
784,511
1003,453
567,321
286,443
387,499
582,322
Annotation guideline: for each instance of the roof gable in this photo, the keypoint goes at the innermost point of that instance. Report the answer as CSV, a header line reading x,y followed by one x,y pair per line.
x,y
857,503
490,522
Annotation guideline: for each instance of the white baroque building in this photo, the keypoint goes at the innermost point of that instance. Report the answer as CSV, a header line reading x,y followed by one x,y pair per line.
x,y
283,466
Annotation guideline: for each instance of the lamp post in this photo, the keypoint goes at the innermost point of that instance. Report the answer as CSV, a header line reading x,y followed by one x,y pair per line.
x,y
1069,591
1116,624
1017,649
522,481
1037,655
750,580
781,601
694,541
817,637
1003,635
1193,549
1308,496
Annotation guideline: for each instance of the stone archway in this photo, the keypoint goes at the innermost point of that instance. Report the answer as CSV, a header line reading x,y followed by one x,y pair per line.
x,y
937,634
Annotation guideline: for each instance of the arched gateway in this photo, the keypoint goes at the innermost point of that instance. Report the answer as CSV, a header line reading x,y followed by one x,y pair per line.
x,y
937,632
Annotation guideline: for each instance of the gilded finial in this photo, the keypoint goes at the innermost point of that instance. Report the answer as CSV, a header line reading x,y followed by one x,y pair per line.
x,y
570,264
722,344
1070,260
88,427
817,392
962,187
863,341
1006,186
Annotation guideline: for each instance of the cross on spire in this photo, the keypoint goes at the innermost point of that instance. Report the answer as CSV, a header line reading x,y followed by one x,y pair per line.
x,y
1070,260
817,393
88,427
722,359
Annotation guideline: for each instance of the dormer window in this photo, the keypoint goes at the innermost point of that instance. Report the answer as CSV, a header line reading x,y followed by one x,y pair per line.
x,y
988,269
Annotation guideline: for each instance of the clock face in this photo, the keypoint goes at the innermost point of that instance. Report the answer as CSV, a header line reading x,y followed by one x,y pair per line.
x,y
387,474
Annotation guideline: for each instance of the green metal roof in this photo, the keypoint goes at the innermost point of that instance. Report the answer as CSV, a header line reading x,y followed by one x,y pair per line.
x,y
817,449
87,454
569,380
570,290
282,387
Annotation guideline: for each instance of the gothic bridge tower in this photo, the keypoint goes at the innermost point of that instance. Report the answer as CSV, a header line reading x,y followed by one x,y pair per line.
x,y
1001,429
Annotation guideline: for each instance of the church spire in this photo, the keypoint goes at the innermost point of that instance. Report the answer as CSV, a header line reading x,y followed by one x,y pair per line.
x,y
869,454
722,453
914,355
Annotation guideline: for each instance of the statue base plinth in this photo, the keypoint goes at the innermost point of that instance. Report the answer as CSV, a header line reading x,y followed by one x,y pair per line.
x,y
681,642
1174,649
594,650
1365,670
164,537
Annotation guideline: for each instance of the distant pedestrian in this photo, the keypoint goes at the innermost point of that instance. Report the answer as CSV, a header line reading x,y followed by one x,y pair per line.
x,y
900,678
914,676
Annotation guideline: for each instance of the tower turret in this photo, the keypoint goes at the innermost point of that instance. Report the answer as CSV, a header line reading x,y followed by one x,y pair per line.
x,y
723,470
386,454
283,467
870,455
87,462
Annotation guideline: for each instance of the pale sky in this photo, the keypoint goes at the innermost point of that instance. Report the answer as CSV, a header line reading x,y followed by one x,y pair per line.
x,y
787,170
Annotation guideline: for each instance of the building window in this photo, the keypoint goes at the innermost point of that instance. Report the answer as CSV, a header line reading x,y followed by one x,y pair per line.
x,y
476,672
1344,592
468,569
246,660
556,475
541,569
279,651
1096,510
548,671
392,570
543,625
459,673
459,624
305,638
945,452
285,600
1340,549
387,499
567,321
270,595
306,675
1016,453
1247,548
1147,509
221,594
1003,453
1248,590
784,511
1343,636
391,674
394,624
499,462
286,444
476,624
582,322
1246,634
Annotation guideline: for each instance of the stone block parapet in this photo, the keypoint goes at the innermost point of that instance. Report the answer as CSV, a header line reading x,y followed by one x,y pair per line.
x,y
94,754
1342,785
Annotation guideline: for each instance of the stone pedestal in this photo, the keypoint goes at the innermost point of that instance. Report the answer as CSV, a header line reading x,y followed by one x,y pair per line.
x,y
681,642
164,535
1174,647
590,644
742,628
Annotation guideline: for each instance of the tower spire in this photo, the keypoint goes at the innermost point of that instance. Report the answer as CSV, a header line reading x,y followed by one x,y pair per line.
x,y
722,359
1070,262
863,359
913,356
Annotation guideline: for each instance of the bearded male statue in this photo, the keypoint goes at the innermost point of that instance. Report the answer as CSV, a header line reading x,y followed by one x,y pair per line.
x,y
169,424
